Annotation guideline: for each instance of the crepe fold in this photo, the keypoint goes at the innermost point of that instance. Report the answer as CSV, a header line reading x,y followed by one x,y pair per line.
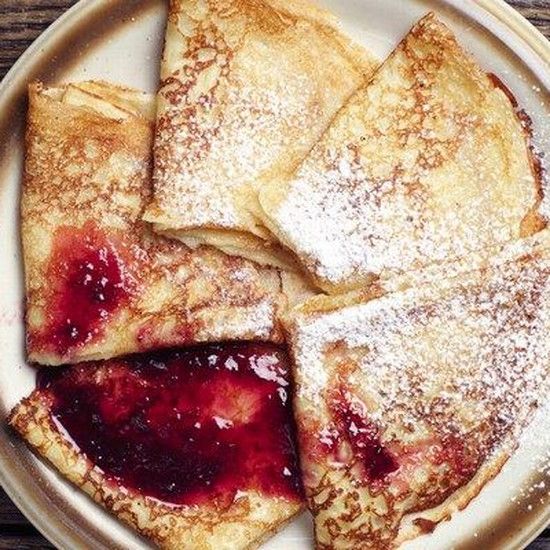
x,y
428,162
409,403
99,283
247,88
101,425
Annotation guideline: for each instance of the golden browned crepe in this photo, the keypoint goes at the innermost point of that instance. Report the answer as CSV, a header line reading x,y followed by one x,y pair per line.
x,y
192,451
244,526
99,282
428,162
408,404
247,87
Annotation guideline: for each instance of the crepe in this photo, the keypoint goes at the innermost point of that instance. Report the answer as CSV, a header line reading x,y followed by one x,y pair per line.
x,y
407,404
247,87
193,449
99,283
428,162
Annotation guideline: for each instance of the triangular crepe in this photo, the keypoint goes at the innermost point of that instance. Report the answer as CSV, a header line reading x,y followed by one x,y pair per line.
x,y
193,449
247,87
408,404
99,282
428,162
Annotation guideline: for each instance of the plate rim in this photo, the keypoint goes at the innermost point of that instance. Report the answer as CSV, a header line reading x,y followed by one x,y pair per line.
x,y
25,500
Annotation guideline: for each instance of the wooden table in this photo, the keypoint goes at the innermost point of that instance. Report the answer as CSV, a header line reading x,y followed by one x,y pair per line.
x,y
21,21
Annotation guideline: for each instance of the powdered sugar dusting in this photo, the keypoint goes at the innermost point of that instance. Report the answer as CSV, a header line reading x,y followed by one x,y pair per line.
x,y
470,352
434,384
343,231
410,171
239,97
257,321
394,280
257,127
267,367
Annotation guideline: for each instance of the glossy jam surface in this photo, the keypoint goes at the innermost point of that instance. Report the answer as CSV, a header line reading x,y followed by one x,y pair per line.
x,y
88,280
362,435
186,426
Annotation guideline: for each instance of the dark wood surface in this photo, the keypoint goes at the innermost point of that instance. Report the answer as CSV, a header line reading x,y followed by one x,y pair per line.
x,y
21,21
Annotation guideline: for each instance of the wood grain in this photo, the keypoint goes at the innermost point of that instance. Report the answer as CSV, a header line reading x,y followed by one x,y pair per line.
x,y
537,11
21,21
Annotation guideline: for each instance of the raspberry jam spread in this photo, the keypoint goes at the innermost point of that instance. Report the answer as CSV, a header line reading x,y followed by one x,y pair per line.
x,y
185,427
89,280
362,435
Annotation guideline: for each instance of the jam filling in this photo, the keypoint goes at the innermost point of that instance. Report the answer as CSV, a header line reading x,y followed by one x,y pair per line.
x,y
186,427
363,437
89,280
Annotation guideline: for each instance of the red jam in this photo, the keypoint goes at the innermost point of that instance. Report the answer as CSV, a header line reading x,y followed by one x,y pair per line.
x,y
88,280
362,435
185,426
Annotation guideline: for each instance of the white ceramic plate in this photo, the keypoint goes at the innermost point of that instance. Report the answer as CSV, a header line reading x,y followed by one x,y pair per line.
x,y
120,41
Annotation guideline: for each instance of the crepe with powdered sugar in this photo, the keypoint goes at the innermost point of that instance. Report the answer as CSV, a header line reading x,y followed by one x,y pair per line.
x,y
428,162
407,404
247,87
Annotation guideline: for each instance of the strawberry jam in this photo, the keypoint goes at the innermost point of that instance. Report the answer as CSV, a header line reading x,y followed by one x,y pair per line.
x,y
362,435
89,279
187,426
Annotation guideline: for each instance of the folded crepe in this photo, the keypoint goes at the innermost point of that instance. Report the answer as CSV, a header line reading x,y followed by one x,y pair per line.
x,y
99,282
407,405
193,449
428,162
247,87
